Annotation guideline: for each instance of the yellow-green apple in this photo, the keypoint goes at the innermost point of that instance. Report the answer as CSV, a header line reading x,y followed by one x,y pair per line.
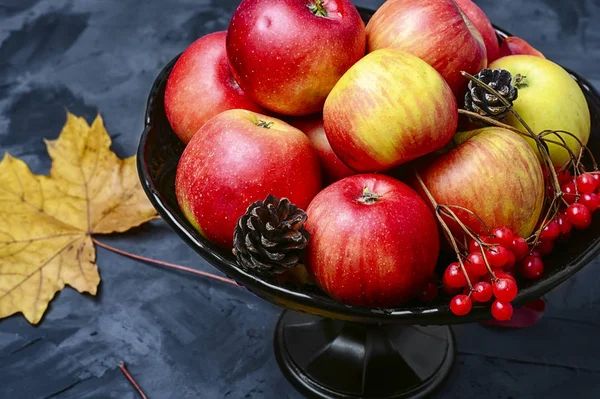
x,y
483,25
239,157
374,241
492,172
333,167
549,99
389,108
288,54
201,85
513,45
433,30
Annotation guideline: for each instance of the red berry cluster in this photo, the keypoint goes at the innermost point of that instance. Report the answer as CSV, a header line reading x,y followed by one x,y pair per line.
x,y
581,197
487,271
489,267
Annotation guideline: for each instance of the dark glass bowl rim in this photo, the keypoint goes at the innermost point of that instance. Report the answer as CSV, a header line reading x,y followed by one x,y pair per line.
x,y
316,304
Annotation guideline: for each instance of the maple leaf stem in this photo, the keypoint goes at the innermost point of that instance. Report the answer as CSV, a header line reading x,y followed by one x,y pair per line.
x,y
161,263
130,378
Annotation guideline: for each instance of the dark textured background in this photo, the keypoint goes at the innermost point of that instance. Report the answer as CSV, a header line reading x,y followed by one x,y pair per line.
x,y
186,337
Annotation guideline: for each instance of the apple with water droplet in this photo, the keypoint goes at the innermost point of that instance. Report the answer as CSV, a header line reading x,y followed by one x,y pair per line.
x,y
201,85
288,54
374,241
239,157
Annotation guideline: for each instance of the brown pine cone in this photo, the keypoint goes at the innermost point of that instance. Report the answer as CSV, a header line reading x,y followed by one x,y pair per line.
x,y
270,238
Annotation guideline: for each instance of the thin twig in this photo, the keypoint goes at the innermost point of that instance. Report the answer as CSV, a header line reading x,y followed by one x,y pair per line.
x,y
492,121
131,380
161,263
447,231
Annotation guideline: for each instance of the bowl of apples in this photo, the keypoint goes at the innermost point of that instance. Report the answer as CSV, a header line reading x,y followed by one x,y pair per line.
x,y
379,174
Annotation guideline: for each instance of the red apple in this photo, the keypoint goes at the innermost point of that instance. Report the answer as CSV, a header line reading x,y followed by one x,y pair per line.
x,y
494,173
288,54
239,157
484,26
389,108
333,167
433,30
373,242
513,45
201,85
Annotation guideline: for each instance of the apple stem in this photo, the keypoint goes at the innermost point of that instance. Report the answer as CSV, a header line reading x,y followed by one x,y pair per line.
x,y
368,197
520,81
318,9
265,124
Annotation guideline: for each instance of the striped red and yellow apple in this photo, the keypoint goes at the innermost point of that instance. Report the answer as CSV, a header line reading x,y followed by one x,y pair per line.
x,y
387,109
239,157
484,26
494,173
436,31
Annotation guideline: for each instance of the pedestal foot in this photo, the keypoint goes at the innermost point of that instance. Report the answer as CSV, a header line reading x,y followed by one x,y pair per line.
x,y
332,359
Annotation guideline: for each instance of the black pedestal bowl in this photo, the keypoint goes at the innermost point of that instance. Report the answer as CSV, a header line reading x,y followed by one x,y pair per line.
x,y
328,349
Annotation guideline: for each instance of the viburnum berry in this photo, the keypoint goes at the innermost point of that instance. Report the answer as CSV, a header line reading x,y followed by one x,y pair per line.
x,y
596,177
474,245
429,292
579,216
503,236
569,193
544,247
563,224
475,265
497,256
590,201
454,276
505,289
502,311
498,273
550,232
512,260
520,248
461,305
482,291
550,191
531,267
564,177
586,183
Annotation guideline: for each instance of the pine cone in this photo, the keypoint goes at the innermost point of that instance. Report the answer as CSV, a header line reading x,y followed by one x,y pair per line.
x,y
478,99
270,237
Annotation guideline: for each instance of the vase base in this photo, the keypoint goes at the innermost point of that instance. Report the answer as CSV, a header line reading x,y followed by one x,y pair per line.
x,y
333,359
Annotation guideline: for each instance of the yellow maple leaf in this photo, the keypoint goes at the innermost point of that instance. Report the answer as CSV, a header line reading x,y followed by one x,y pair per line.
x,y
46,222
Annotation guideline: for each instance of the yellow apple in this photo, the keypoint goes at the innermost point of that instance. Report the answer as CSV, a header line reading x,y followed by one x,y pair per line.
x,y
549,99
